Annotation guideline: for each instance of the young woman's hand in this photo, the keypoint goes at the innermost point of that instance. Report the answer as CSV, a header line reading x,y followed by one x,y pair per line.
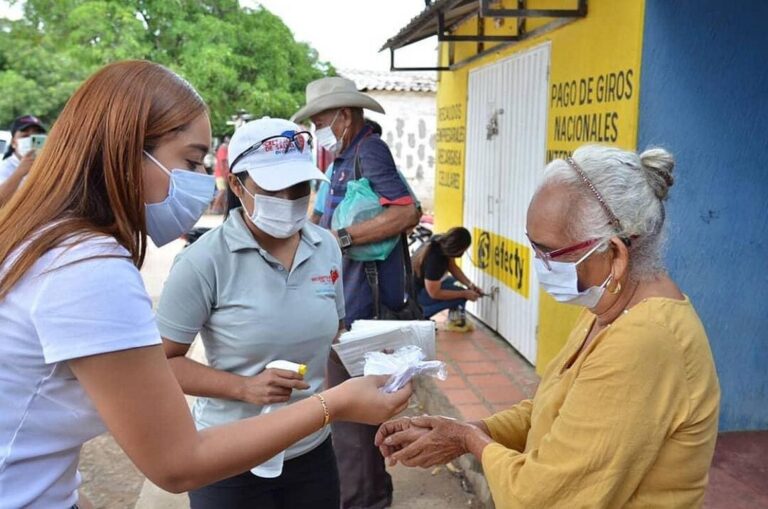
x,y
271,386
362,400
471,295
477,290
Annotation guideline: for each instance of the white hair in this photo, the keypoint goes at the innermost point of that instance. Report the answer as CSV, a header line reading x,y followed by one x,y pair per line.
x,y
633,188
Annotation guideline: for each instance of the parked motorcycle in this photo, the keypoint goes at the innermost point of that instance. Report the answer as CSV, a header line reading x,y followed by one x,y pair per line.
x,y
421,233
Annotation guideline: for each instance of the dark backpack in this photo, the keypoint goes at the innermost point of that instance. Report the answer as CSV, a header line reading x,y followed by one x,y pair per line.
x,y
411,310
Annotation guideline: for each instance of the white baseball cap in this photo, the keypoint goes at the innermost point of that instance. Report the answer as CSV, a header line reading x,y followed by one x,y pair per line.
x,y
274,157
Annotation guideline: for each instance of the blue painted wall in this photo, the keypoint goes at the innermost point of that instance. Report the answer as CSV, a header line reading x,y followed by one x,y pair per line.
x,y
704,96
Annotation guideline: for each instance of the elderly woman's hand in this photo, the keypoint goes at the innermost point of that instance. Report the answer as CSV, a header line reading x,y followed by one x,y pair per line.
x,y
404,434
445,439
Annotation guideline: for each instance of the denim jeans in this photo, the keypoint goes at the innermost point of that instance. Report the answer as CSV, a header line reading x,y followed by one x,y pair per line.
x,y
433,306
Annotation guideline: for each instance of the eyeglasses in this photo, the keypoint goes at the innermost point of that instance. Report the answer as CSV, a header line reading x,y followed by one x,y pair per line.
x,y
280,143
548,256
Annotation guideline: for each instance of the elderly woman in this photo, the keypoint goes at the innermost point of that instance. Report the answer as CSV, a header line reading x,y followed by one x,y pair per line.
x,y
626,414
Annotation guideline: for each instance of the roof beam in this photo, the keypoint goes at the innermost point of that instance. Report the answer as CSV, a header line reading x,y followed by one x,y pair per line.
x,y
393,67
447,37
487,11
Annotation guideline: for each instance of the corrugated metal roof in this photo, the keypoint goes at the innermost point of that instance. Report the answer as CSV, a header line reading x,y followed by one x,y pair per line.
x,y
392,81
425,24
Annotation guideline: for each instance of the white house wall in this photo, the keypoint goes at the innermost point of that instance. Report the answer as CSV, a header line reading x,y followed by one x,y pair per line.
x,y
409,130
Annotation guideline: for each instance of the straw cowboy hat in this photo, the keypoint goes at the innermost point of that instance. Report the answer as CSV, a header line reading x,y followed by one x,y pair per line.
x,y
329,93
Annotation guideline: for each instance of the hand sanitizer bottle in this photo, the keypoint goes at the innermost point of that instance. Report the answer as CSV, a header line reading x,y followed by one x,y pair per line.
x,y
273,467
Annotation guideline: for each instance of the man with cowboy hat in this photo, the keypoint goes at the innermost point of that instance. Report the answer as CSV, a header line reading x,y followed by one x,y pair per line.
x,y
335,107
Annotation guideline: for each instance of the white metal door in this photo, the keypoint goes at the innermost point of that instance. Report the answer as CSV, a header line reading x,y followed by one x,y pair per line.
x,y
482,160
519,87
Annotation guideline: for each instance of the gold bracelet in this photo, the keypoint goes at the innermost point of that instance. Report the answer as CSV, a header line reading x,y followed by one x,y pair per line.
x,y
327,414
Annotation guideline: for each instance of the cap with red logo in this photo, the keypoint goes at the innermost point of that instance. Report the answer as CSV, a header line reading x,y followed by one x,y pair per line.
x,y
25,122
276,153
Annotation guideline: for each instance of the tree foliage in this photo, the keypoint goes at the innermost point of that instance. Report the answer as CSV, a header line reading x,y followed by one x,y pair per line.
x,y
237,58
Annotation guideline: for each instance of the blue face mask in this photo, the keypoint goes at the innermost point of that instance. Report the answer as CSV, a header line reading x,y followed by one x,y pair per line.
x,y
189,194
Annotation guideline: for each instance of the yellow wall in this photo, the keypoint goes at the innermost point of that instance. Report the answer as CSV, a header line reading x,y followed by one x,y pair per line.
x,y
451,134
593,98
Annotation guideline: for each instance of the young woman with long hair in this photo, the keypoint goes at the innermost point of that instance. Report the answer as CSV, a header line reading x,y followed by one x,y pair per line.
x,y
80,352
431,263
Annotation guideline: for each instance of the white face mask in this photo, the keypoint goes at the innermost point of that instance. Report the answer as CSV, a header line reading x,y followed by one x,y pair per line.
x,y
23,145
278,217
562,282
326,138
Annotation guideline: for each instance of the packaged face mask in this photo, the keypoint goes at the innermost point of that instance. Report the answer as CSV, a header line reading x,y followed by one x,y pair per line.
x,y
404,364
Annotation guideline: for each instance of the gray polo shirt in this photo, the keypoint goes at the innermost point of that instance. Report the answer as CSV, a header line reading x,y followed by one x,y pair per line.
x,y
250,311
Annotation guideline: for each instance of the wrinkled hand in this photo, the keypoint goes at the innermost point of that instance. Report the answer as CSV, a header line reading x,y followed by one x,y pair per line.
x,y
444,441
406,435
362,400
271,386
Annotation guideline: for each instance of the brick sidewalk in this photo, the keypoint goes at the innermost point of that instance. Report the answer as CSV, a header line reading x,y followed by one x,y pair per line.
x,y
486,375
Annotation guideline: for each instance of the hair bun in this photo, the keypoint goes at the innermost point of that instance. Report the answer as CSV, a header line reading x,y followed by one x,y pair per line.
x,y
658,164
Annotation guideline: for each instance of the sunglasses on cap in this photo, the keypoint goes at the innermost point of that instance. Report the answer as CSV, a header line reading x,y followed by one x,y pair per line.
x,y
280,143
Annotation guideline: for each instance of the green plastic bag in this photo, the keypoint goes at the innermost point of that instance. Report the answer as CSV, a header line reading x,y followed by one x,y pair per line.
x,y
360,204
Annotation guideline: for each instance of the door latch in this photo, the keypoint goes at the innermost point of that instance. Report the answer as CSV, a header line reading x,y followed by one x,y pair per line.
x,y
492,128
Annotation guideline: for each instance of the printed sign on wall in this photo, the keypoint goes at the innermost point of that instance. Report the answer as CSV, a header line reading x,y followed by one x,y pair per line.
x,y
503,258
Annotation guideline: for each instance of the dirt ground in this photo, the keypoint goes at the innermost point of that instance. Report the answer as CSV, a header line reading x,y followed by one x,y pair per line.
x,y
109,478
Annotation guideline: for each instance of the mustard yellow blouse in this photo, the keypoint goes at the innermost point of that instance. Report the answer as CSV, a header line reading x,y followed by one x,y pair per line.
x,y
632,422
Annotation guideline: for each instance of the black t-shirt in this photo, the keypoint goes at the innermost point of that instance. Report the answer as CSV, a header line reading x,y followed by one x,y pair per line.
x,y
434,266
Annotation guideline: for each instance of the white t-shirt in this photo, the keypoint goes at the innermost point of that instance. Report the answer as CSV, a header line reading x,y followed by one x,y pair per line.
x,y
61,310
8,166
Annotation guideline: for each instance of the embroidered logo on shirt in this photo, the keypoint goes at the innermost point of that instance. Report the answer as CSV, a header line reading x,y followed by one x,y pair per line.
x,y
324,284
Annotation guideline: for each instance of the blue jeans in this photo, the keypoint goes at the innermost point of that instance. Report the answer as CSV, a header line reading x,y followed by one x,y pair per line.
x,y
433,306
